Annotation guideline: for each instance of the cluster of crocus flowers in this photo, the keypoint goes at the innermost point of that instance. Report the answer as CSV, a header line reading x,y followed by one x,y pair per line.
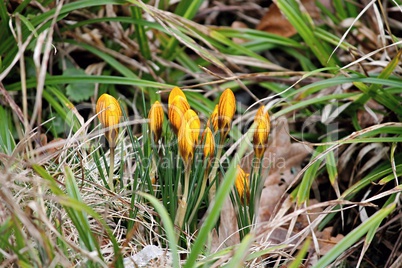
x,y
109,114
261,132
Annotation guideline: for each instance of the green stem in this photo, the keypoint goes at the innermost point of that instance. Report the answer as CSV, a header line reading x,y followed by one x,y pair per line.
x,y
182,208
201,195
186,180
212,175
256,184
111,169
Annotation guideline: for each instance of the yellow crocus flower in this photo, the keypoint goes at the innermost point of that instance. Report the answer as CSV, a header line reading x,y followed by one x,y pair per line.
x,y
209,143
177,109
261,132
186,143
176,91
194,122
242,184
155,117
226,111
213,120
109,114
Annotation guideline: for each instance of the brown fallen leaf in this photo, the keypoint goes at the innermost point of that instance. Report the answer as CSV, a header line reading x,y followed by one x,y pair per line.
x,y
49,150
228,228
275,22
326,241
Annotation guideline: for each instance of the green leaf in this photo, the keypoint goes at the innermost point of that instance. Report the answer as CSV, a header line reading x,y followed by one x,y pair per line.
x,y
78,91
354,236
297,262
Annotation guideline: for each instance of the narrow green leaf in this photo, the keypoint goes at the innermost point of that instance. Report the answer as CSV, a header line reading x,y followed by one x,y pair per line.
x,y
309,176
297,262
214,211
302,22
140,33
28,24
78,217
168,224
241,252
339,9
354,236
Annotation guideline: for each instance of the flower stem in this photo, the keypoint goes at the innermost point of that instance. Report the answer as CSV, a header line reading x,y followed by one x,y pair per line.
x,y
111,169
201,195
212,175
182,208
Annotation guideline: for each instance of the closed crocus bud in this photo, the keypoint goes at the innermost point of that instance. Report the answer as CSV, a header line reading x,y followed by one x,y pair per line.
x,y
226,111
213,120
261,132
177,108
109,114
242,184
176,91
209,143
194,122
186,142
261,114
155,117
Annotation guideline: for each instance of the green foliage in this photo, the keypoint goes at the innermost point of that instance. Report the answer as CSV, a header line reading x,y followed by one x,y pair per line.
x,y
7,132
337,87
78,92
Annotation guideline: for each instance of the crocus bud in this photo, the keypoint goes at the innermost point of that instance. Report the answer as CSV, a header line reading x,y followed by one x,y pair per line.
x,y
226,111
261,132
177,109
186,143
176,91
155,117
242,184
213,120
194,122
209,142
109,114
261,114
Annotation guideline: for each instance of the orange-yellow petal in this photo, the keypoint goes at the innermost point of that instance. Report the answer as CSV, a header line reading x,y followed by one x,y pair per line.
x,y
213,120
261,132
177,109
209,143
242,184
194,122
109,114
186,143
261,114
176,91
226,110
155,117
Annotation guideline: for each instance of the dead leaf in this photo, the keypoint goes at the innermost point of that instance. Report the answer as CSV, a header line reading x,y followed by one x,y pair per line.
x,y
228,228
275,22
326,241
